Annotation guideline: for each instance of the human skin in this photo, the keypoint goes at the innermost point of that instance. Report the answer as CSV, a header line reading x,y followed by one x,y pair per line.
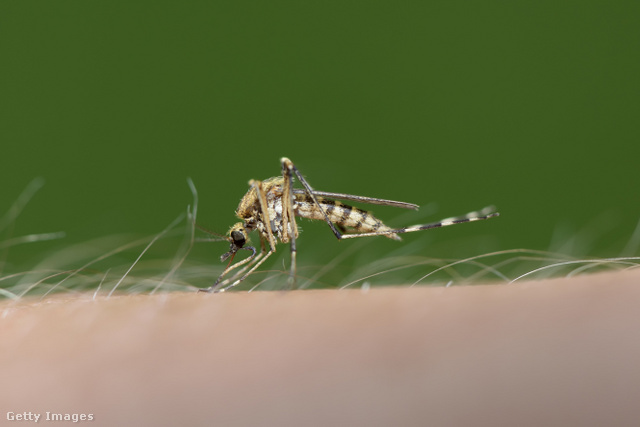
x,y
553,352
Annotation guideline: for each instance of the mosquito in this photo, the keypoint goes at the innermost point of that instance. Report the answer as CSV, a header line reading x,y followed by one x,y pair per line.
x,y
271,207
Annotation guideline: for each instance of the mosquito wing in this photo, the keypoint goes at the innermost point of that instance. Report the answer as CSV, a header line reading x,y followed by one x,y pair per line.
x,y
362,199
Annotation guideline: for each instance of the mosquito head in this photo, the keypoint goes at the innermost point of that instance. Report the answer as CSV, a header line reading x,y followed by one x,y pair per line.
x,y
237,239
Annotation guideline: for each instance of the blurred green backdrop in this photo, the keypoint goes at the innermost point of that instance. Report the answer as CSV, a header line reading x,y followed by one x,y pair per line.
x,y
531,106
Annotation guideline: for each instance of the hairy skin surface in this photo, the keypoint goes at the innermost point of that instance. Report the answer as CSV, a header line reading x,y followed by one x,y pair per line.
x,y
553,352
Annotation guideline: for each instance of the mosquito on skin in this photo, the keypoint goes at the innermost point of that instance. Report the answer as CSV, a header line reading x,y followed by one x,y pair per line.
x,y
271,207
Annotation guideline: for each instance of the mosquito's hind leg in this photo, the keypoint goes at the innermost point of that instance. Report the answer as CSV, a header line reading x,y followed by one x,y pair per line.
x,y
288,169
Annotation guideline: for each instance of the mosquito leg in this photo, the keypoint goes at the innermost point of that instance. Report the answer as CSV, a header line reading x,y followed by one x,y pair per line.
x,y
264,212
255,266
249,260
256,261
291,281
229,268
288,167
470,217
243,269
289,225
220,284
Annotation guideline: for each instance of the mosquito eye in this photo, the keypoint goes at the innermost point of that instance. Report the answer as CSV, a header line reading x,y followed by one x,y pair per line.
x,y
238,238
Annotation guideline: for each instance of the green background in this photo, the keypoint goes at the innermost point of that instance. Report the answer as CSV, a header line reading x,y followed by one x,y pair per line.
x,y
531,106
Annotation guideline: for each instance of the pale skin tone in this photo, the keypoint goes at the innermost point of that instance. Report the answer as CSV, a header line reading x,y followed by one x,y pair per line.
x,y
554,352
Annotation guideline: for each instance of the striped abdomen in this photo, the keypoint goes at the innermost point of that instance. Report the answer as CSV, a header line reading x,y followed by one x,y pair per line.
x,y
346,216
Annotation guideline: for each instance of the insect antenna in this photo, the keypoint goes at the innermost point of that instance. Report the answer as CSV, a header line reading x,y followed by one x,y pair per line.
x,y
218,237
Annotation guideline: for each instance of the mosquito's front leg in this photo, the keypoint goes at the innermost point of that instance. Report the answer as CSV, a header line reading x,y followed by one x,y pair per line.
x,y
221,284
241,271
250,260
264,213
255,266
267,235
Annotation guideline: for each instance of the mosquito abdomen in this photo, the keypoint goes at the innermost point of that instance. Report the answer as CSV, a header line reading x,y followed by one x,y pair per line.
x,y
341,214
